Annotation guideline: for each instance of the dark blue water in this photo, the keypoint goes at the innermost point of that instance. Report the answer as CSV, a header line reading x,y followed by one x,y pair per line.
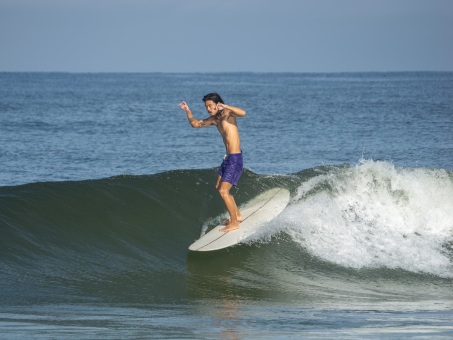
x,y
85,126
104,185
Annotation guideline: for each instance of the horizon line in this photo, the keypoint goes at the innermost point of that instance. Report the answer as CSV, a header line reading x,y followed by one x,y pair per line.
x,y
228,72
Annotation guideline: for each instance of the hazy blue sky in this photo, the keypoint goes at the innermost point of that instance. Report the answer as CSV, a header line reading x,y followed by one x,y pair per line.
x,y
226,35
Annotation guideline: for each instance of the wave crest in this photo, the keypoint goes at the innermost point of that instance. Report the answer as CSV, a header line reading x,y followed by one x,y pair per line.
x,y
374,215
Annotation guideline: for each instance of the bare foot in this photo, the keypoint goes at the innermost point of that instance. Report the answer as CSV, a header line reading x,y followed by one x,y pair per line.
x,y
230,227
228,221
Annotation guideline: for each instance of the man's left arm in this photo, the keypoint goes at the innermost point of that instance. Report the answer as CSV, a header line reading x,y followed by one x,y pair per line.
x,y
233,111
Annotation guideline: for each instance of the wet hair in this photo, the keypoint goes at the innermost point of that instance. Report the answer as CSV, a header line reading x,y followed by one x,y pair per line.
x,y
214,97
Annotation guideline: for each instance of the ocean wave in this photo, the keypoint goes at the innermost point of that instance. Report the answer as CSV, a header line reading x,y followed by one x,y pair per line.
x,y
367,216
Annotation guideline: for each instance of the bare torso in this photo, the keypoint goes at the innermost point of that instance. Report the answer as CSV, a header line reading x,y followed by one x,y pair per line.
x,y
227,126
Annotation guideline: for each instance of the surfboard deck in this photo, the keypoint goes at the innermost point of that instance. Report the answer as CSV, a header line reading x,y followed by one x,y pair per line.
x,y
257,212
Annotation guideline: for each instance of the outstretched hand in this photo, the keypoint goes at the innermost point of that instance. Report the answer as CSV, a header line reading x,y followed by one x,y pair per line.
x,y
183,105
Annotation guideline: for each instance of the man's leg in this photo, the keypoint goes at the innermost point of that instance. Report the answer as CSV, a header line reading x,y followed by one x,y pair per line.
x,y
224,191
238,213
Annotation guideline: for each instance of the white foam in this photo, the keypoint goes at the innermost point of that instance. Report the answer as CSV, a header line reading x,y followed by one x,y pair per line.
x,y
374,215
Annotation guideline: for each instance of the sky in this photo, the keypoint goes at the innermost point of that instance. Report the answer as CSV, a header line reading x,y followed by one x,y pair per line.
x,y
226,35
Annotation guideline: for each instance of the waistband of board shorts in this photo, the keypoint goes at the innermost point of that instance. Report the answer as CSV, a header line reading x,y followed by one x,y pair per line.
x,y
232,155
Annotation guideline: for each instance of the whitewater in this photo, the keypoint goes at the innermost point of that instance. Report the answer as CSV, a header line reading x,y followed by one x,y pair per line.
x,y
373,215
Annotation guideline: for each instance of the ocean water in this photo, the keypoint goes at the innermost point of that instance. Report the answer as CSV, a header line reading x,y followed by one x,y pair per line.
x,y
104,185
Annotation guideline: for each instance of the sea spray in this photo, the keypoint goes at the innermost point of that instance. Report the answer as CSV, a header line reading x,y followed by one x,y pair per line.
x,y
375,215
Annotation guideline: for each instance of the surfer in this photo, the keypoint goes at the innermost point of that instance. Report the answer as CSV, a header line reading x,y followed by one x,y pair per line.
x,y
224,117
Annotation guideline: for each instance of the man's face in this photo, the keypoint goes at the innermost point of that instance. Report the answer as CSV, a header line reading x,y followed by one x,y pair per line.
x,y
211,107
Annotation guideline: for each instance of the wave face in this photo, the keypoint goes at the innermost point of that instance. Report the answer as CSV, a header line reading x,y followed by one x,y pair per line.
x,y
125,238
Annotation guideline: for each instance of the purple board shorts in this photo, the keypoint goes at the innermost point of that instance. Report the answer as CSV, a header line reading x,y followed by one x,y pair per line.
x,y
231,168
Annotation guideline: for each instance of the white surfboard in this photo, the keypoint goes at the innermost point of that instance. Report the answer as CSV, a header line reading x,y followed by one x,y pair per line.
x,y
257,212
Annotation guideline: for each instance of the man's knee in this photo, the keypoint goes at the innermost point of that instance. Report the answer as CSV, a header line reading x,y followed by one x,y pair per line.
x,y
219,181
223,191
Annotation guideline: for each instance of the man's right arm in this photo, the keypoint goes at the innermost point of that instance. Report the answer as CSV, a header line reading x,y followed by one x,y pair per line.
x,y
196,123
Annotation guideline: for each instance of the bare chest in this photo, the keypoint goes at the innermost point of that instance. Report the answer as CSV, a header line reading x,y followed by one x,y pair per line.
x,y
227,125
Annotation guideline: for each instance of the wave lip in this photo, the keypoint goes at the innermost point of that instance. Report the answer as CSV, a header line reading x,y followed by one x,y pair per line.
x,y
374,215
